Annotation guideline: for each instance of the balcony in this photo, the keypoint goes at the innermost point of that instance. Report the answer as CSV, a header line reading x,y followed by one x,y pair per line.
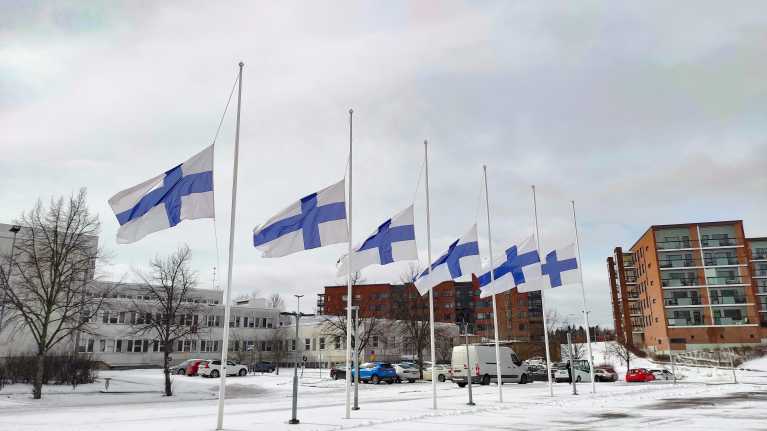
x,y
630,279
676,263
759,255
685,322
735,279
721,261
730,321
681,302
719,242
674,244
727,299
681,282
759,273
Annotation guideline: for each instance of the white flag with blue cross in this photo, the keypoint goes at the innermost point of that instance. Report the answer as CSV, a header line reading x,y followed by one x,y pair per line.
x,y
316,220
182,193
460,259
519,266
393,241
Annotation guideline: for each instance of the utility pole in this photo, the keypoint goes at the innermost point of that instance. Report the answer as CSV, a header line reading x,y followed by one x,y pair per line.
x,y
294,418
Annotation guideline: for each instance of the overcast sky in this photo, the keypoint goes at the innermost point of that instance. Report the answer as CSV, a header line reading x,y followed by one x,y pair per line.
x,y
642,112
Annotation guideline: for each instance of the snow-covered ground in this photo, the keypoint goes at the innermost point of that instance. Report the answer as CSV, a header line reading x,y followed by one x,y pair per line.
x,y
263,402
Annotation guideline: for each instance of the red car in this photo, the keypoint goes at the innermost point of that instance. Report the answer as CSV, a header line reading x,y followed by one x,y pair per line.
x,y
192,367
639,375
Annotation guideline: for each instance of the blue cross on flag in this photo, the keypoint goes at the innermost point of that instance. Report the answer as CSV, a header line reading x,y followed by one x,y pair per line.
x,y
182,193
316,220
393,241
519,265
560,267
461,258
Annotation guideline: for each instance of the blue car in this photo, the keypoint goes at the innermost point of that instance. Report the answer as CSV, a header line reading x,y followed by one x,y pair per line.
x,y
375,372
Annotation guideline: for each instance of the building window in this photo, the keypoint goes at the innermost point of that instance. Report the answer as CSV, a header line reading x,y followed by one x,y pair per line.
x,y
293,344
307,344
322,343
337,343
374,342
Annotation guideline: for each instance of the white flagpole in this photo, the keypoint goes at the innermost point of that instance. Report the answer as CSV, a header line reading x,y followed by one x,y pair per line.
x,y
349,283
543,302
492,289
228,300
428,269
583,294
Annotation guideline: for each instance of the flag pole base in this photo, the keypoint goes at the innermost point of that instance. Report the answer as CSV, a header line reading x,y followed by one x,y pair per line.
x,y
471,404
294,422
355,408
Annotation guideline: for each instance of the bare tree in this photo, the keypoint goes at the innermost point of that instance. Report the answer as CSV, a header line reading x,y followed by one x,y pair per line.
x,y
622,352
411,311
579,352
51,292
278,340
443,343
368,327
275,301
167,311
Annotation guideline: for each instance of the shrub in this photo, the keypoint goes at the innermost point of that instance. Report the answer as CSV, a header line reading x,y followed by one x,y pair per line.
x,y
66,369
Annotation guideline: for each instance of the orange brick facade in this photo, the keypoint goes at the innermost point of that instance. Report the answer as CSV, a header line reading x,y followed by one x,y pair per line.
x,y
691,286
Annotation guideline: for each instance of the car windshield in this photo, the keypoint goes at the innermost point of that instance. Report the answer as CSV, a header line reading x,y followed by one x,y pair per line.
x,y
386,366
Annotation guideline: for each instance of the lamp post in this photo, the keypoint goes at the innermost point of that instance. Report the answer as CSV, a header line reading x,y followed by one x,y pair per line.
x,y
294,418
15,230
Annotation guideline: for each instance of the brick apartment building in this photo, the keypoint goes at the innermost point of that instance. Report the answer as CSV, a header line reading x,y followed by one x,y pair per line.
x,y
690,286
520,316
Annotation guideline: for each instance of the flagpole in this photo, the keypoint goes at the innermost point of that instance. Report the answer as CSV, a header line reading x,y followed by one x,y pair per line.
x,y
349,282
228,301
428,271
492,289
543,302
583,295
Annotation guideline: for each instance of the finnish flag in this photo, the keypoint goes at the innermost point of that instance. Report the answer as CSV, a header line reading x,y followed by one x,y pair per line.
x,y
560,267
461,258
182,193
519,266
316,220
393,241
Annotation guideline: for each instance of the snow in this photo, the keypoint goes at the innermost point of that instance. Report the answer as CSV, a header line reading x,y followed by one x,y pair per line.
x,y
264,402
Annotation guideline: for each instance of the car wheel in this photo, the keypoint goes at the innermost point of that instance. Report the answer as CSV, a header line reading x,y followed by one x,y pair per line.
x,y
214,373
389,381
375,380
461,385
411,380
485,380
578,379
523,379
243,372
181,372
441,378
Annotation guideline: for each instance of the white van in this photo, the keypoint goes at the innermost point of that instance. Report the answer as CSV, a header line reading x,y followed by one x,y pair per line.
x,y
482,365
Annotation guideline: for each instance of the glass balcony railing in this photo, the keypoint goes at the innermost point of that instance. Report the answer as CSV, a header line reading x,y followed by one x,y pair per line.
x,y
759,256
681,282
761,290
674,244
684,322
714,261
681,301
631,279
718,242
726,280
728,299
759,273
729,321
676,263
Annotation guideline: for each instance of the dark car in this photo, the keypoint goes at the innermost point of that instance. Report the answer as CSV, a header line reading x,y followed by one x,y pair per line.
x,y
537,373
338,373
262,367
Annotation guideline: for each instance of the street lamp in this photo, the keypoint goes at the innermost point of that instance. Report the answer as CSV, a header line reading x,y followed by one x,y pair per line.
x,y
294,419
15,230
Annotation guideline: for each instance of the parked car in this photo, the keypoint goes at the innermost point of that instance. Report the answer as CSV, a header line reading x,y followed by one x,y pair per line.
x,y
193,367
662,374
581,372
262,367
213,369
639,375
338,373
537,373
604,375
406,371
375,372
442,371
482,365
181,368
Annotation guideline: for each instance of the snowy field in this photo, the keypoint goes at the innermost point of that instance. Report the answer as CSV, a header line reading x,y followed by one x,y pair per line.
x,y
704,398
